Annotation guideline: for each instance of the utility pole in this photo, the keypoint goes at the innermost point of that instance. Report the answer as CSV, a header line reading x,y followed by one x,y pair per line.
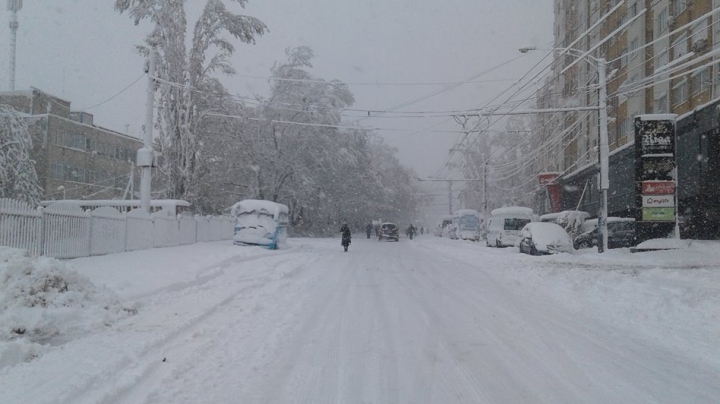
x,y
13,6
450,211
145,154
604,154
485,198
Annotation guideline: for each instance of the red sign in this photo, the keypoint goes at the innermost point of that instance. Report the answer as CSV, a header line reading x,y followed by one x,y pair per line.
x,y
547,178
658,187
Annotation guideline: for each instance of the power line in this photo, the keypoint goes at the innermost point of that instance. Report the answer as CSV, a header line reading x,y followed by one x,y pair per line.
x,y
370,83
116,95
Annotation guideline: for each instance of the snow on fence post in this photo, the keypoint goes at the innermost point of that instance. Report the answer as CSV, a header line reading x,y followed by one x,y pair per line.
x,y
108,229
20,225
66,232
138,230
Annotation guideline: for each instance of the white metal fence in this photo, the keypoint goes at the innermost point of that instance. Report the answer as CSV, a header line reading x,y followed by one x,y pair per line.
x,y
66,231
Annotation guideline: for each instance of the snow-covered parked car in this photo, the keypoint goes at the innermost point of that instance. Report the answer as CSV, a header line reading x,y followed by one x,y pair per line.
x,y
621,233
544,238
261,223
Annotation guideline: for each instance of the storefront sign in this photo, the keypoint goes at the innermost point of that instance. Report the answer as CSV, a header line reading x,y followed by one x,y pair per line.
x,y
658,187
657,136
658,214
655,175
658,201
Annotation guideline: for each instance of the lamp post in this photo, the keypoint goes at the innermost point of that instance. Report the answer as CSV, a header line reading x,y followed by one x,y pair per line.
x,y
601,65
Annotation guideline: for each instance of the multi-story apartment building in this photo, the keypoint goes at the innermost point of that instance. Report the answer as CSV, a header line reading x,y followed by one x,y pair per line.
x,y
662,57
74,158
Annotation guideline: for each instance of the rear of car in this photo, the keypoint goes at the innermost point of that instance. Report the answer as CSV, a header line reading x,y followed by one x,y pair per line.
x,y
389,231
544,238
621,234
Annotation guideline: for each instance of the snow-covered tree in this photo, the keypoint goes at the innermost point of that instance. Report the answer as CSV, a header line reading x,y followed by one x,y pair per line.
x,y
18,179
187,76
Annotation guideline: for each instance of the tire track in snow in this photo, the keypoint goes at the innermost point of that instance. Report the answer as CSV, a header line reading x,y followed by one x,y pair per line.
x,y
137,370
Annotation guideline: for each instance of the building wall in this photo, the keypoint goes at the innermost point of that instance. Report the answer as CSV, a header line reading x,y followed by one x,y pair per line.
x,y
634,87
74,160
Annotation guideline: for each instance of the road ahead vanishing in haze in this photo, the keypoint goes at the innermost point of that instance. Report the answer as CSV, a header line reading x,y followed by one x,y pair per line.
x,y
422,321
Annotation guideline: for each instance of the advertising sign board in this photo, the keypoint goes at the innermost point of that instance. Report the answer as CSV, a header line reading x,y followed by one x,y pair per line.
x,y
658,188
658,201
658,137
658,214
655,172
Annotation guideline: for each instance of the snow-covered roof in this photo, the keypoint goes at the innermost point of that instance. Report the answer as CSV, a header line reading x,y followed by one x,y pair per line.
x,y
512,210
257,205
133,203
556,215
466,212
657,117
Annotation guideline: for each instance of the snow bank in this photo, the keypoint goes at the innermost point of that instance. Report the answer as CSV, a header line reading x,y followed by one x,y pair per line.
x,y
43,301
670,296
664,243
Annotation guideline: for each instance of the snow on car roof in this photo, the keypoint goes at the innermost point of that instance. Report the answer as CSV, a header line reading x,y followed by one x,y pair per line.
x,y
512,210
556,215
610,219
256,205
462,212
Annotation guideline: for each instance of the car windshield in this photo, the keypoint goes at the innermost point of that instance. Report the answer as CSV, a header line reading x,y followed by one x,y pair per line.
x,y
278,201
515,224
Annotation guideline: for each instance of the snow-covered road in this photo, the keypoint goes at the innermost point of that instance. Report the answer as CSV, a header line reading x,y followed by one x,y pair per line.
x,y
422,321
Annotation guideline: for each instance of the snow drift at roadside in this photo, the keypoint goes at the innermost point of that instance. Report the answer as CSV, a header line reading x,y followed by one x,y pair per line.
x,y
44,302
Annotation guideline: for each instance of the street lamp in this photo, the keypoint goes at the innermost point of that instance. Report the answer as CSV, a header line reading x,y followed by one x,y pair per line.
x,y
601,65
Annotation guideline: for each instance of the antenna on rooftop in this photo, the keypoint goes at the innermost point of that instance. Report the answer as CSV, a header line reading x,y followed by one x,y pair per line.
x,y
13,6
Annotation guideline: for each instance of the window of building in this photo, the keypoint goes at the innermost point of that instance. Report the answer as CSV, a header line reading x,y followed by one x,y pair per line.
x,y
680,93
662,20
634,9
73,141
701,80
680,47
678,7
623,57
623,129
56,171
662,58
699,30
661,104
634,45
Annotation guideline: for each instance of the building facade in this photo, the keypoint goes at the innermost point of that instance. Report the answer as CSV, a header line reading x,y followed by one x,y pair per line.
x,y
663,56
74,158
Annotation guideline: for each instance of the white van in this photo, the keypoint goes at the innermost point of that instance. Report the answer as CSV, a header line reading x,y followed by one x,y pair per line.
x,y
505,224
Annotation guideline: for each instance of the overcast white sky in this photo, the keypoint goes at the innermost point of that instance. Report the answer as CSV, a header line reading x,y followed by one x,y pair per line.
x,y
83,51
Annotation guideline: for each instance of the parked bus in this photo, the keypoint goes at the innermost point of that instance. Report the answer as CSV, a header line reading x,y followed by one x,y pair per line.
x,y
466,223
260,223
